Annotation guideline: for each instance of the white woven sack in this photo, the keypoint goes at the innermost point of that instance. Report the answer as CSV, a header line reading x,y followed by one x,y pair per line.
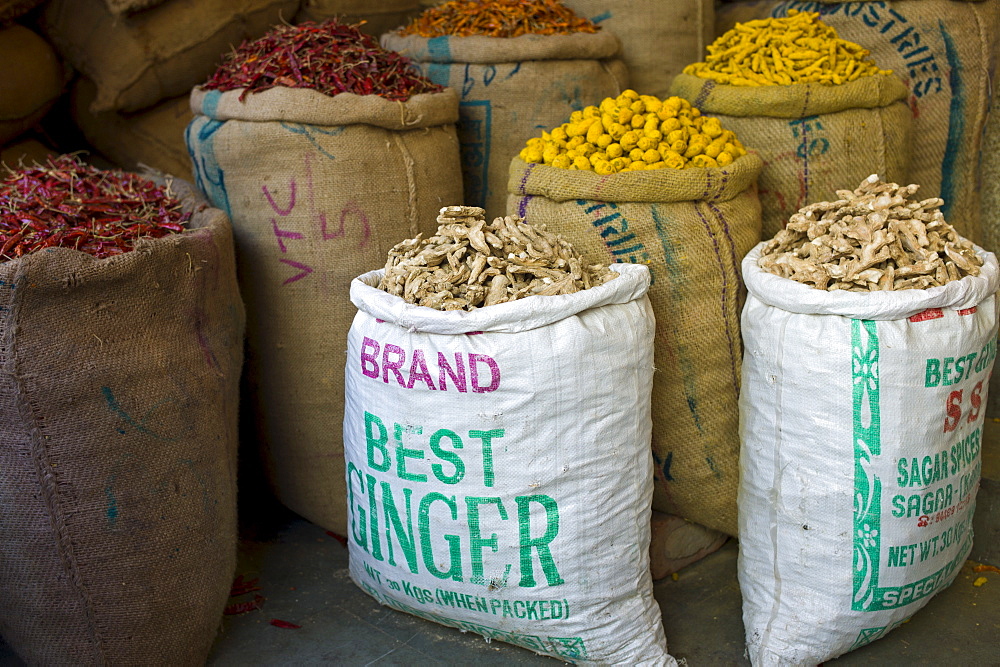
x,y
499,467
861,422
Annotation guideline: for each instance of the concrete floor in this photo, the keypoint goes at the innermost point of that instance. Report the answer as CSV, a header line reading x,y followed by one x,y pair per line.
x,y
302,572
303,576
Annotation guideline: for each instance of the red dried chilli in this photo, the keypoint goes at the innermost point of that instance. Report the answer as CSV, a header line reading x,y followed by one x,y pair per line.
x,y
329,57
69,204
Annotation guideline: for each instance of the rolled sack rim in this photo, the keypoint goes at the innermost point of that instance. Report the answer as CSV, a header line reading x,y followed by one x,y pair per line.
x,y
798,100
796,297
654,186
311,107
206,222
483,50
524,314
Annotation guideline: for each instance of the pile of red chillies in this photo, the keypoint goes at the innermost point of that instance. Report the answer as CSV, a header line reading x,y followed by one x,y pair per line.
x,y
329,57
68,204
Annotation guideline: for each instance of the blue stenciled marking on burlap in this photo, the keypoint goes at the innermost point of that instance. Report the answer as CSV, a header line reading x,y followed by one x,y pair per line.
x,y
439,54
310,132
956,122
200,139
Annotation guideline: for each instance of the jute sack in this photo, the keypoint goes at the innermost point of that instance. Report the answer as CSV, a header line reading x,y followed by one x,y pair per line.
x,y
118,398
319,189
812,138
731,12
138,60
122,7
861,420
511,87
691,227
31,78
485,492
379,17
11,9
659,39
152,137
945,51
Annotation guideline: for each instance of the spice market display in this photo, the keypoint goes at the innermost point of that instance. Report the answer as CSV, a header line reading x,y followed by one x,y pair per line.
x,y
470,264
491,296
784,51
329,57
635,132
69,204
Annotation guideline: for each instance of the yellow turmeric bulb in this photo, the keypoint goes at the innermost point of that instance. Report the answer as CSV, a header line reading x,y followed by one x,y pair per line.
x,y
635,132
782,51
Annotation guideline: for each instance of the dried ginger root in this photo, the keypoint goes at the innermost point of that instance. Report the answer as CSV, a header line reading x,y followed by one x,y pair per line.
x,y
874,238
468,263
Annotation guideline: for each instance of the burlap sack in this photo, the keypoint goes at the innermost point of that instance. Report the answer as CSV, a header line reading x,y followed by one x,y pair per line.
x,y
11,9
692,227
153,137
680,28
138,60
814,139
118,398
943,50
122,7
319,189
379,17
731,12
989,179
511,90
26,150
31,78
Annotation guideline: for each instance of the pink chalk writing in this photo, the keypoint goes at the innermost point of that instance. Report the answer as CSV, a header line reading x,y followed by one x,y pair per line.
x,y
353,210
304,270
283,234
478,372
277,209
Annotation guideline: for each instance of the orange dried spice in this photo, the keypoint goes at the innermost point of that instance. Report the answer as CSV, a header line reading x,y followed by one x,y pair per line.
x,y
498,18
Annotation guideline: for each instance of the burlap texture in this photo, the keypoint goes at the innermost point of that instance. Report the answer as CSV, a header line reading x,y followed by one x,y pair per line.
x,y
943,49
31,78
118,400
162,52
731,12
153,137
314,206
11,9
814,139
379,17
121,7
692,227
511,90
659,39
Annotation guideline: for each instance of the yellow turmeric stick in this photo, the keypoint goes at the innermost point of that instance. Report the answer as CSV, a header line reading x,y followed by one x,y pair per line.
x,y
781,51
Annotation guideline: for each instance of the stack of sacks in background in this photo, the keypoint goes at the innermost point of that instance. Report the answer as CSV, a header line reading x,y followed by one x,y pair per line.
x,y
320,182
379,17
643,180
137,57
815,108
31,80
514,78
658,38
945,53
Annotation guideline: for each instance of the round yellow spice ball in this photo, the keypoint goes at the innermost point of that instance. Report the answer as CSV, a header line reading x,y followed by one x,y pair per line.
x,y
635,132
